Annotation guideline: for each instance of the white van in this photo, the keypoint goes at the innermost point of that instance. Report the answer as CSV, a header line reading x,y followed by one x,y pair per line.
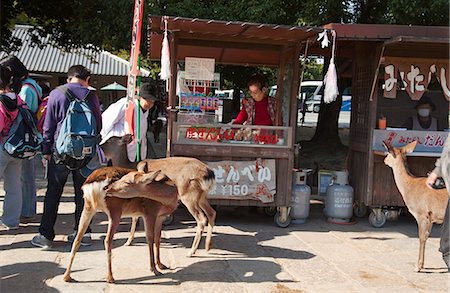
x,y
310,91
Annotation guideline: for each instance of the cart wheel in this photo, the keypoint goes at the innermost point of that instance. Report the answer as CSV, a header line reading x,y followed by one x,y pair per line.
x,y
270,211
379,221
281,224
168,220
360,210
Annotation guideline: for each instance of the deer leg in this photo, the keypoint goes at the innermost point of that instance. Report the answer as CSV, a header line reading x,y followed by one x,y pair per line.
x,y
424,231
114,221
150,220
165,210
132,231
200,218
211,215
86,217
158,228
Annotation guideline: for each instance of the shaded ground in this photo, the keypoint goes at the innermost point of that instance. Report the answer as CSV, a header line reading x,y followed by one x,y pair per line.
x,y
316,157
250,254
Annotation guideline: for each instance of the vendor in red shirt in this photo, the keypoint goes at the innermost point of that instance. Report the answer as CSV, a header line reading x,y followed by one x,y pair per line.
x,y
260,109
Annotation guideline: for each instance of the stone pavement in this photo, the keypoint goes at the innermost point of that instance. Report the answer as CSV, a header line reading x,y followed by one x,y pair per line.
x,y
250,254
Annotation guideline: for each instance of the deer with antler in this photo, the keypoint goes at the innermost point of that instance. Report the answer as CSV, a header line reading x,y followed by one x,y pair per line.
x,y
425,204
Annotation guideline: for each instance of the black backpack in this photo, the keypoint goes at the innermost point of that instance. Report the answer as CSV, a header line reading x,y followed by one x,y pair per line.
x,y
23,140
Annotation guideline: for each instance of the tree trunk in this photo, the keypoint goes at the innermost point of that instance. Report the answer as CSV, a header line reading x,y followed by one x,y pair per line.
x,y
327,130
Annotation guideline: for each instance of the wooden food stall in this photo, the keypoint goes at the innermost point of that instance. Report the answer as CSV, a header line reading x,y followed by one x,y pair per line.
x,y
253,164
393,66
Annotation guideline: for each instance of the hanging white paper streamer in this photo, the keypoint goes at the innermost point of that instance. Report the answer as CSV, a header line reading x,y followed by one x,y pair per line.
x,y
324,37
165,55
331,88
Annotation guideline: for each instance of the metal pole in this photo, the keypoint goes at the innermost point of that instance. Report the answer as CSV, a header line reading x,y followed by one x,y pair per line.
x,y
138,122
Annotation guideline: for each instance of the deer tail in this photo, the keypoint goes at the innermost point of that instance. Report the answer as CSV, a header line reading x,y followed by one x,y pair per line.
x,y
94,192
207,181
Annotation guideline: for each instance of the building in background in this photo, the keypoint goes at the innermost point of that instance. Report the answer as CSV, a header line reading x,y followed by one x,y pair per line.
x,y
49,64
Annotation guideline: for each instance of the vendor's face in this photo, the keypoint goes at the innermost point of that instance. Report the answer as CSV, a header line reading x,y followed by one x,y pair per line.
x,y
256,93
146,104
424,110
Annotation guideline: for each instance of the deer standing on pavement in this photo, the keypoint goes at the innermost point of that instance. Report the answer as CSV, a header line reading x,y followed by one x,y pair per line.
x,y
125,192
192,177
425,204
194,180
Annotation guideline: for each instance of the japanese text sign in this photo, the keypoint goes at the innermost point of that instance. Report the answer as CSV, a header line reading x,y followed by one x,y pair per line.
x,y
244,180
427,141
415,76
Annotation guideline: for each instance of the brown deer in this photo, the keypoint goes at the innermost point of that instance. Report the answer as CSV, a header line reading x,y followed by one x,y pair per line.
x,y
119,192
192,177
115,149
425,204
194,180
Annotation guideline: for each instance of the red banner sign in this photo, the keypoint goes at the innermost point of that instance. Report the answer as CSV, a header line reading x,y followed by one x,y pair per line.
x,y
132,75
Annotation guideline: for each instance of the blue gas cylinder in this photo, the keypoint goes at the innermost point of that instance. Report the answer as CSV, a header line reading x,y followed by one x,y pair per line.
x,y
301,194
339,199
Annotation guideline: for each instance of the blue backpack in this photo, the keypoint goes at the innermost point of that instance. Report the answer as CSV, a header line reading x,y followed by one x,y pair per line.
x,y
77,139
23,140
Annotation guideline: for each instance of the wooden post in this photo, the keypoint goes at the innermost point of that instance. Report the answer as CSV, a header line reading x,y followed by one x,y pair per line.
x,y
172,91
280,85
294,89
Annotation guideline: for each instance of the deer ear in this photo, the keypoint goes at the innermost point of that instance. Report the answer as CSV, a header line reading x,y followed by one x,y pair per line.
x,y
389,148
148,178
126,139
385,144
409,148
142,167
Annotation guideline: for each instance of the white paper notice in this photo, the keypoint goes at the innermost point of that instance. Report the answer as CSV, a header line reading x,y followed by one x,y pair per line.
x,y
199,68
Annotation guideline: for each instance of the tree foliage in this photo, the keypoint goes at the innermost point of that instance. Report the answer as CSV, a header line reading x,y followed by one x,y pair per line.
x,y
106,24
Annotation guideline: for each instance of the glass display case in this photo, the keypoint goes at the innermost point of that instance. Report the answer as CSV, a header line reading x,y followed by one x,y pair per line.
x,y
239,135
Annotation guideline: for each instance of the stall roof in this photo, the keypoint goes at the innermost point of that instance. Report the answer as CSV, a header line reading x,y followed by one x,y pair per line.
x,y
382,32
399,40
418,47
230,42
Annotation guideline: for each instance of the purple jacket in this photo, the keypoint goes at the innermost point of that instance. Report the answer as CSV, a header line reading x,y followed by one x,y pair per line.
x,y
56,112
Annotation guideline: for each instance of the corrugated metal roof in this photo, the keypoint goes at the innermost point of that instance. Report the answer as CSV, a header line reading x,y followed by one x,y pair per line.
x,y
52,59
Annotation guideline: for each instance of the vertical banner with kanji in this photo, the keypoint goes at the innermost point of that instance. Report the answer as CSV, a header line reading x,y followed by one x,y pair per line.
x,y
244,180
134,72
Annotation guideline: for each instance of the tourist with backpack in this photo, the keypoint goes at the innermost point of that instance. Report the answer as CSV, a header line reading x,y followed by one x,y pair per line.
x,y
31,93
71,132
10,167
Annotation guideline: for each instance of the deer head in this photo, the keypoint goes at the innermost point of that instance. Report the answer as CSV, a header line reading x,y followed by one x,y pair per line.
x,y
397,154
134,183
